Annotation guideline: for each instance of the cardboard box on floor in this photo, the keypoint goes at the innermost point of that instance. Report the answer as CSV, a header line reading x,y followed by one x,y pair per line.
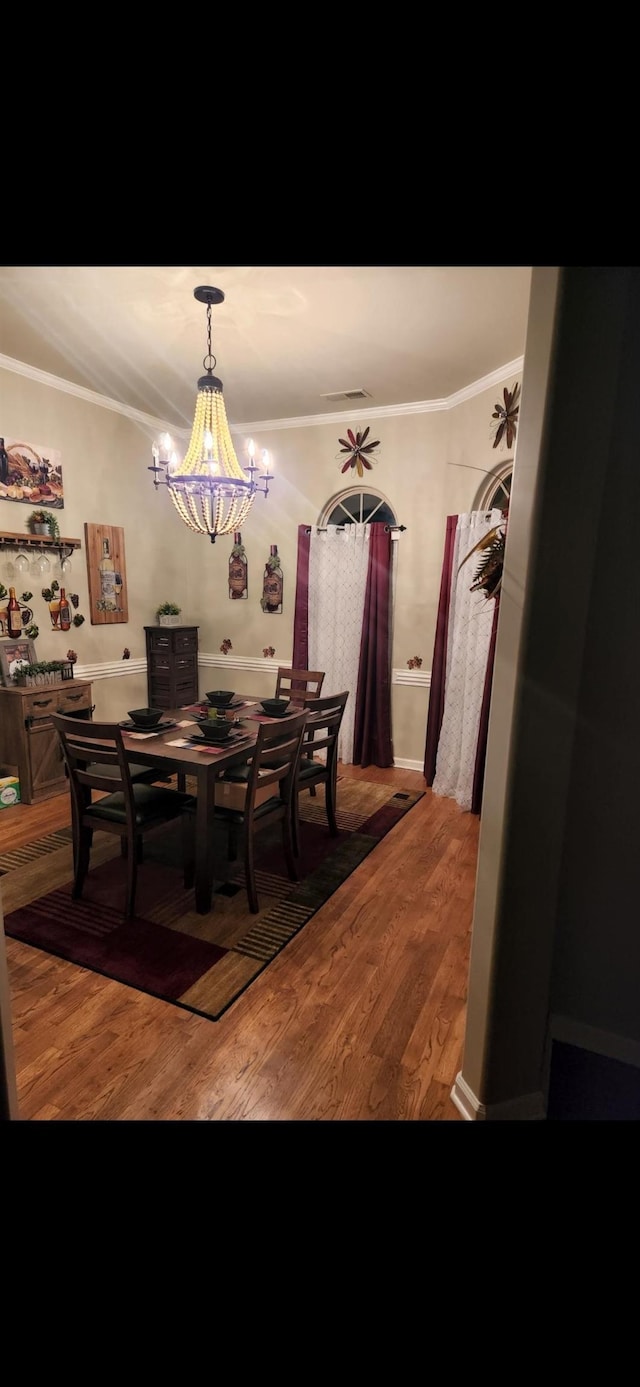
x,y
231,795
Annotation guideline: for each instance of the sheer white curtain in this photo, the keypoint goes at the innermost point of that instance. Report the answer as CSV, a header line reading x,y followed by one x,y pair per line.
x,y
338,562
469,635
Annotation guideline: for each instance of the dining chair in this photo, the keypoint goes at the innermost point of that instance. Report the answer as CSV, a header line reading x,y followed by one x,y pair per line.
x,y
318,764
96,759
298,683
273,764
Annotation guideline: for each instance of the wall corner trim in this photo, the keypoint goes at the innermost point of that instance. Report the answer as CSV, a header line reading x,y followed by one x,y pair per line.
x,y
529,1107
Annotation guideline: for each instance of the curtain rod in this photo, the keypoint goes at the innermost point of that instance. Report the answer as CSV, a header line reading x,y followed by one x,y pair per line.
x,y
322,529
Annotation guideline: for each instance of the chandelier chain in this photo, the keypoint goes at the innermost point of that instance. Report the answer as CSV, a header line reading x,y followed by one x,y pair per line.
x,y
209,358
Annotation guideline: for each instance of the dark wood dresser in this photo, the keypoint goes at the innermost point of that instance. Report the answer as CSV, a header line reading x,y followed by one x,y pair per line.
x,y
29,740
172,665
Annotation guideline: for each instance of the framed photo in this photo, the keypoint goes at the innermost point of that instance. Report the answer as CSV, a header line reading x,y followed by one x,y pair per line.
x,y
13,651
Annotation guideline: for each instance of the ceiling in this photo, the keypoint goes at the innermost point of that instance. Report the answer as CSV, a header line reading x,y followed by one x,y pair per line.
x,y
284,337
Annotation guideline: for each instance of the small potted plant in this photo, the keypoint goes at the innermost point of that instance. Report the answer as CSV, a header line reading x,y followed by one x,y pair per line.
x,y
168,614
42,522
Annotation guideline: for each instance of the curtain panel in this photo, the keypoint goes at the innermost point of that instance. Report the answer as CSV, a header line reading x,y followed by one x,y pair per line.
x,y
372,744
469,626
342,625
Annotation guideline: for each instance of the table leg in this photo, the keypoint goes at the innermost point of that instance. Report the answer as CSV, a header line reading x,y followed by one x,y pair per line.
x,y
204,844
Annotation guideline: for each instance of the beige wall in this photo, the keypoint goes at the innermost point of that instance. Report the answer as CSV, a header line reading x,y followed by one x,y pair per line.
x,y
428,465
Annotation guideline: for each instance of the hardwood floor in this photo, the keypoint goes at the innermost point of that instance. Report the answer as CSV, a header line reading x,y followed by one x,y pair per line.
x,y
360,1018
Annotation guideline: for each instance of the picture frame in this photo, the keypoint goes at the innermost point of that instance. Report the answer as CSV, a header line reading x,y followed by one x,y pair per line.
x,y
13,649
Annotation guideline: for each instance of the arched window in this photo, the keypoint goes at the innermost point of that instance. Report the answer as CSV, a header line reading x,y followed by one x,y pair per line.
x,y
357,505
496,488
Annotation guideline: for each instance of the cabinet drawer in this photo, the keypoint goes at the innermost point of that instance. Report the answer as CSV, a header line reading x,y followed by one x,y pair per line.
x,y
173,641
180,666
42,702
74,700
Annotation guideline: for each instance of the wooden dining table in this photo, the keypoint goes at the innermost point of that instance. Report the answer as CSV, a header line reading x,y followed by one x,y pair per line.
x,y
206,765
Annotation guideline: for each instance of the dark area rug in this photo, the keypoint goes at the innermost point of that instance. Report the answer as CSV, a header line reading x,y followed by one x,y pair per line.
x,y
203,962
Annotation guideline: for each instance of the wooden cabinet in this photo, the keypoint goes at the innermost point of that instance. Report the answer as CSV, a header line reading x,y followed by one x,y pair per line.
x,y
29,740
172,665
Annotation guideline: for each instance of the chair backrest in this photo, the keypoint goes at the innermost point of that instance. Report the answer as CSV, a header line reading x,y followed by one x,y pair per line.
x,y
299,683
323,727
275,758
87,747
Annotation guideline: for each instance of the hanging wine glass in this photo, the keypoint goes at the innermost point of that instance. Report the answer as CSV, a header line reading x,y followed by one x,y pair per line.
x,y
22,563
41,566
66,567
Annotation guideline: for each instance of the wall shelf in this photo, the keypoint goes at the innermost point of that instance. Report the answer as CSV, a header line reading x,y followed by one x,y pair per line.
x,y
63,545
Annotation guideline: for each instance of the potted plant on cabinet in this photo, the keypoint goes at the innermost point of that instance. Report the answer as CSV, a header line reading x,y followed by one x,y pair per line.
x,y
168,614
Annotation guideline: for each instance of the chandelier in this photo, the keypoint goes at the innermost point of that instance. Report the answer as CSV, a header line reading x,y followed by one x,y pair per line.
x,y
210,490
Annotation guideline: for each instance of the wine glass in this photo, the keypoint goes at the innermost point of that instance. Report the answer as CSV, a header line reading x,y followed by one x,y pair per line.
x,y
41,566
66,567
22,563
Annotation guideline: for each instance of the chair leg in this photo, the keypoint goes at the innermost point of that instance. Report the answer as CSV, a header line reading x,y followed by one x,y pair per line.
x,y
288,845
295,824
330,803
132,873
312,791
85,839
188,850
250,873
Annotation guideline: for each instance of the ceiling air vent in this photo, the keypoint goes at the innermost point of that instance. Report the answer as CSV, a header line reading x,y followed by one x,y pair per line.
x,y
347,395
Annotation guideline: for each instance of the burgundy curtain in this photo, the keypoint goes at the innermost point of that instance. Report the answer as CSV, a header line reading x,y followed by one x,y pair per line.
x,y
372,745
483,728
439,662
300,657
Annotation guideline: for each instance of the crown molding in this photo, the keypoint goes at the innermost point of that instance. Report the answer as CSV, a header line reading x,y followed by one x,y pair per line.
x,y
92,397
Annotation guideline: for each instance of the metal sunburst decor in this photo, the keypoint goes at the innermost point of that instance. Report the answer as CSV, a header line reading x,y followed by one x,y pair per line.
x,y
358,449
506,416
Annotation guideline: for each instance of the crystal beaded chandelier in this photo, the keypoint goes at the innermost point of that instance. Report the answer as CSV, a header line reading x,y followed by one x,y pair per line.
x,y
210,490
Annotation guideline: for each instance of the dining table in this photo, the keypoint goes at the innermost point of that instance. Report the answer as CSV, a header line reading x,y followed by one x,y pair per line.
x,y
168,749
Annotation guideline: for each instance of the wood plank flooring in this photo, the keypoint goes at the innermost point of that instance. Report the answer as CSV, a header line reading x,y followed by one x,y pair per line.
x,y
360,1018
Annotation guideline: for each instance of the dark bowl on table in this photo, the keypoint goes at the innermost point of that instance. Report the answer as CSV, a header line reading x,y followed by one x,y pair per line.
x,y
146,717
214,729
275,707
219,698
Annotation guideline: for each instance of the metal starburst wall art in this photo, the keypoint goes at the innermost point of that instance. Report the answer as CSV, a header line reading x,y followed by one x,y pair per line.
x,y
359,450
506,417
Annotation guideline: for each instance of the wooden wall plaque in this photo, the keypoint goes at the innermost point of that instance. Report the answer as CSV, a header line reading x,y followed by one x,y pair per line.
x,y
107,574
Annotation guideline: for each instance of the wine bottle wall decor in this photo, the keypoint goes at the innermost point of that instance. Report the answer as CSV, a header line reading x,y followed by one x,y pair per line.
x,y
106,573
238,570
272,583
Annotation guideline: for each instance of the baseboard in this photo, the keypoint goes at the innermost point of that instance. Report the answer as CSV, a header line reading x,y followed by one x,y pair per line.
x,y
530,1107
592,1038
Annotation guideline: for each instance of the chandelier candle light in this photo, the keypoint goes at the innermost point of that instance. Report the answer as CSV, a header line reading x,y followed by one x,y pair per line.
x,y
210,490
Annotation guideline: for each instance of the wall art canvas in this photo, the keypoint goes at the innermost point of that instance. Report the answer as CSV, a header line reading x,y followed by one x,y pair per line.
x,y
107,574
31,473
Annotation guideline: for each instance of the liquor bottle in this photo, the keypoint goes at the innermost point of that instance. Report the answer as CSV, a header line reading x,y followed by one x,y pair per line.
x,y
238,570
65,611
14,616
107,570
272,584
4,462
